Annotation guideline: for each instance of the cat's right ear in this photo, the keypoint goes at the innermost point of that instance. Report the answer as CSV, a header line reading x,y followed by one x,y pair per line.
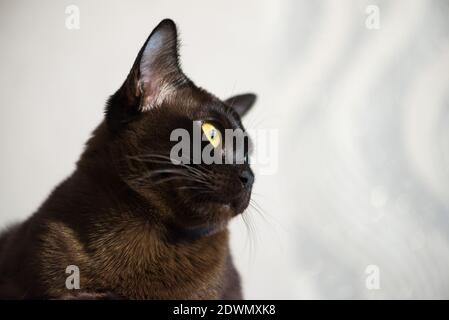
x,y
153,78
242,103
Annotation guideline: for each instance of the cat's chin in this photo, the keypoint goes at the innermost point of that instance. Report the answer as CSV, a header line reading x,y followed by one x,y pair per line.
x,y
225,210
219,211
228,209
207,218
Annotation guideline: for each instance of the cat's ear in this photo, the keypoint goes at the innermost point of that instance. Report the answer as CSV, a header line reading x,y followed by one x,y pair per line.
x,y
154,76
159,70
242,103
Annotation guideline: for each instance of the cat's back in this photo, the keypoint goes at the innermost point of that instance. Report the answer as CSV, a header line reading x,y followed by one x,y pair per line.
x,y
19,248
14,261
5,236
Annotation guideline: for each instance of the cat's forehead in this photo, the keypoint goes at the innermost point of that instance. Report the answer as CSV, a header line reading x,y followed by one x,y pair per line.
x,y
201,105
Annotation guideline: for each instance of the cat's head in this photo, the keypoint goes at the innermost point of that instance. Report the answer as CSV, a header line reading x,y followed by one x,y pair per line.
x,y
155,100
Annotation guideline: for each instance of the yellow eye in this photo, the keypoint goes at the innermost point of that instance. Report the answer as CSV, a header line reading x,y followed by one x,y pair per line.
x,y
212,134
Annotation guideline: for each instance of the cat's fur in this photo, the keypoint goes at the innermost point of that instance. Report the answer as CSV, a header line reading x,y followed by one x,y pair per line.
x,y
132,234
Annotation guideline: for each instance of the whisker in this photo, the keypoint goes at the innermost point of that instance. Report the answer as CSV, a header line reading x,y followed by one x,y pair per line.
x,y
250,235
163,159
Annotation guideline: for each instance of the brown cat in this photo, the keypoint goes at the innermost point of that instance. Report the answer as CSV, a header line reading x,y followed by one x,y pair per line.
x,y
137,225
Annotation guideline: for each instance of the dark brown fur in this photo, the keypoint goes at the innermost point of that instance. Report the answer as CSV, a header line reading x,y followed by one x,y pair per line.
x,y
130,236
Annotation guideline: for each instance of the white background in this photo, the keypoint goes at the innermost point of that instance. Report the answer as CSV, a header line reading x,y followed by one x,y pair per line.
x,y
363,120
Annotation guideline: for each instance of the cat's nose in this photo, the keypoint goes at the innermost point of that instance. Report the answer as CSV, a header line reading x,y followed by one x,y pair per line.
x,y
247,178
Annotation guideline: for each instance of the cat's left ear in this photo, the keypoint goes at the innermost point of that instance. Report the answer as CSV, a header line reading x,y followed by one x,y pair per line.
x,y
158,63
242,103
153,78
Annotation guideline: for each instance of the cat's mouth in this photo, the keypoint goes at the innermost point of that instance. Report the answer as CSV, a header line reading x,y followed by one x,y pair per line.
x,y
229,208
239,205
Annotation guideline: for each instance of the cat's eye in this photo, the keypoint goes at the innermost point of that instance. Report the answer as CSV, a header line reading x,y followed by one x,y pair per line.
x,y
212,134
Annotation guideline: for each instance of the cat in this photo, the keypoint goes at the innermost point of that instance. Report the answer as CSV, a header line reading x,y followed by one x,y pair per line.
x,y
134,223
